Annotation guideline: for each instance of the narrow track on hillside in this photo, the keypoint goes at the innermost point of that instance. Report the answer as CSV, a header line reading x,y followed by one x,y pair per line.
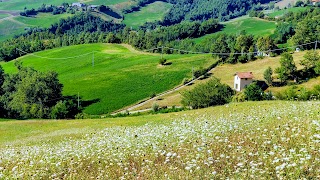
x,y
132,107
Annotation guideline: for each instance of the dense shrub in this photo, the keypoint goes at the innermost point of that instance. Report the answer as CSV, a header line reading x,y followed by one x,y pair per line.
x,y
209,94
253,92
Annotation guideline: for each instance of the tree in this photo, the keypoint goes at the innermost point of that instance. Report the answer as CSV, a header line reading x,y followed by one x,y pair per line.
x,y
209,94
253,92
287,67
268,75
30,94
310,59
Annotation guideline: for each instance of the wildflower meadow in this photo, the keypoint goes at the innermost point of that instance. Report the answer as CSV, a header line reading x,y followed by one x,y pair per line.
x,y
265,140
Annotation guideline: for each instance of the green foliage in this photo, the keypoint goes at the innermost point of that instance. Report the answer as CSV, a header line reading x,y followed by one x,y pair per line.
x,y
300,94
311,60
155,107
268,75
162,61
287,67
209,94
239,97
253,92
29,93
59,111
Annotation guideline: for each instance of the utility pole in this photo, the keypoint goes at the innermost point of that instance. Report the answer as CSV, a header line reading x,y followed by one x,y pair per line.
x,y
93,59
315,46
78,101
162,52
192,73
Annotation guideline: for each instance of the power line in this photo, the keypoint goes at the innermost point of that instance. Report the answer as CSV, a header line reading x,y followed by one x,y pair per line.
x,y
179,50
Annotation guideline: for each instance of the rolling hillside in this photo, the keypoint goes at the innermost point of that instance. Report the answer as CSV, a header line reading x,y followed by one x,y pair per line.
x,y
254,26
152,12
13,25
226,73
121,76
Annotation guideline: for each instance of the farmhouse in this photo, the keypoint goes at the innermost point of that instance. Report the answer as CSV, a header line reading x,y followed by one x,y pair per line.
x,y
242,79
93,7
314,2
79,5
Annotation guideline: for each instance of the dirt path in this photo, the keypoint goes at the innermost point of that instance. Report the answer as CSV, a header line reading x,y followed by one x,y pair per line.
x,y
12,13
132,49
135,106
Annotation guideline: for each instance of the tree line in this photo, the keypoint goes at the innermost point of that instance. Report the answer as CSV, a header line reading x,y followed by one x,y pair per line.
x,y
198,10
33,94
86,28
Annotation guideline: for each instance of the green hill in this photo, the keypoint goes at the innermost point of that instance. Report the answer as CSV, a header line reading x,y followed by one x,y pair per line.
x,y
254,26
121,76
17,25
152,12
237,141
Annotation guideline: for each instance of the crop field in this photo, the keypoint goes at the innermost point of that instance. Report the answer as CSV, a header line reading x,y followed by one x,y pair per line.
x,y
120,76
17,25
42,19
252,140
284,11
105,2
3,16
152,12
21,4
252,26
9,28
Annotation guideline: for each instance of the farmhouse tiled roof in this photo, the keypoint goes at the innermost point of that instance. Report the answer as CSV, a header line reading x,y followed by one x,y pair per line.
x,y
245,75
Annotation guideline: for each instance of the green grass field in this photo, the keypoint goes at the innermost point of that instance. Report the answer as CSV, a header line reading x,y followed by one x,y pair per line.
x,y
258,140
120,77
20,4
9,28
152,12
42,19
284,11
3,16
252,26
17,25
106,2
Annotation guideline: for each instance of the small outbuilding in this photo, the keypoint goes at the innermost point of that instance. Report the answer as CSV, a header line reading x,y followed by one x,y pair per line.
x,y
79,5
242,79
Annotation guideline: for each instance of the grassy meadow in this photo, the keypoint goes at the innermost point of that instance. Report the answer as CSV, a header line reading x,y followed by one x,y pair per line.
x,y
252,26
284,11
3,16
252,140
21,4
120,77
9,28
152,12
16,25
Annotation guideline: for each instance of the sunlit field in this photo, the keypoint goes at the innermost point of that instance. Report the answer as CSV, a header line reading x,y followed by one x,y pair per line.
x,y
261,140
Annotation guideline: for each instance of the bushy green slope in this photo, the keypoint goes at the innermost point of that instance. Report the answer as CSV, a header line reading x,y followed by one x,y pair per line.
x,y
119,77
